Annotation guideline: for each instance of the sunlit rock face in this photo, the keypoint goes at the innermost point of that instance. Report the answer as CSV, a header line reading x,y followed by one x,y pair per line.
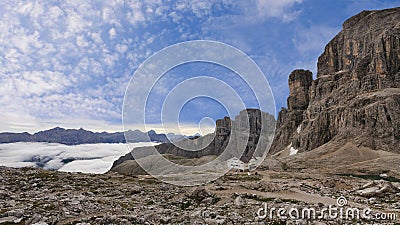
x,y
356,94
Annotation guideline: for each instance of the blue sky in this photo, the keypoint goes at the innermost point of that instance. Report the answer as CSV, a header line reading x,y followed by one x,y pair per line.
x,y
68,63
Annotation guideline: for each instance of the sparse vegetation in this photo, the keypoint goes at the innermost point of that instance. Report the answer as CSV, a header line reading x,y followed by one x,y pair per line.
x,y
285,167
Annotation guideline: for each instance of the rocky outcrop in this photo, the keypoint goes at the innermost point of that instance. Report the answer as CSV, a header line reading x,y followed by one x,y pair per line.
x,y
356,94
248,133
299,85
376,188
290,119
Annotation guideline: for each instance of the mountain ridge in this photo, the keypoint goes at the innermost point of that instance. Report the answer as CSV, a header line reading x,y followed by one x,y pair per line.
x,y
82,136
245,137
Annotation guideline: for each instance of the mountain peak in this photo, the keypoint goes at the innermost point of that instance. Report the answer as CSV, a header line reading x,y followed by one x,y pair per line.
x,y
356,96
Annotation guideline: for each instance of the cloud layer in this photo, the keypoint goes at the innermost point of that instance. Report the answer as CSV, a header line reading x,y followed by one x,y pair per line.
x,y
90,158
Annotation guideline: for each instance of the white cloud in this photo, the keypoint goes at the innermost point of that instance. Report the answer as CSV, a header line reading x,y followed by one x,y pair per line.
x,y
75,22
112,33
109,16
17,121
201,8
96,37
314,38
310,43
81,41
281,9
55,12
175,16
37,10
256,11
25,8
34,83
180,6
184,128
25,42
121,48
135,15
110,59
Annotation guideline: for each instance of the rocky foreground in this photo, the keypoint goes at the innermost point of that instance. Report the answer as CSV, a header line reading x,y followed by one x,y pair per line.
x,y
35,196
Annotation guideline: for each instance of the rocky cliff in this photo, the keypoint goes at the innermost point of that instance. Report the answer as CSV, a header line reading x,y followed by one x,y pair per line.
x,y
245,131
355,95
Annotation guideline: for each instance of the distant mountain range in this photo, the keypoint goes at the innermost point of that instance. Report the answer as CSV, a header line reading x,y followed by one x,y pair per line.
x,y
82,136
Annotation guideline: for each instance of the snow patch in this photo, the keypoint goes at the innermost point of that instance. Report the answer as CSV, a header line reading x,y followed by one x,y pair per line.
x,y
293,151
298,129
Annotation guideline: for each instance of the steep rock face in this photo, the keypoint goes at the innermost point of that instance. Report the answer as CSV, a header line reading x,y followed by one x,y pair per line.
x,y
299,85
356,95
369,43
290,119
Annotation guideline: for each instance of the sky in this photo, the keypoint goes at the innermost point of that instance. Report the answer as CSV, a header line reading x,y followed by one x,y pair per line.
x,y
69,63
